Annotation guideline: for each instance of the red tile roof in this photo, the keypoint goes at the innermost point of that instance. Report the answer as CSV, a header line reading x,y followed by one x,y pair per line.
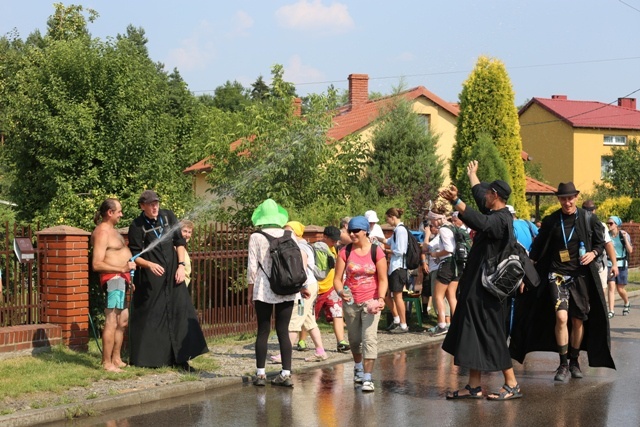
x,y
589,114
536,187
349,120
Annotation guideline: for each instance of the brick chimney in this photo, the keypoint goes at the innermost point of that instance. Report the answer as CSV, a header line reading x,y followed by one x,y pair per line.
x,y
358,89
561,97
627,103
297,107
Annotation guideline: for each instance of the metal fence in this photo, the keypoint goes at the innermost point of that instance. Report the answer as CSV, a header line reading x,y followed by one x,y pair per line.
x,y
20,296
218,279
219,289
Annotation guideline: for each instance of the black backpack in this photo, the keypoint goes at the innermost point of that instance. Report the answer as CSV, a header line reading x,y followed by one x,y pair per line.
x,y
463,244
287,269
412,257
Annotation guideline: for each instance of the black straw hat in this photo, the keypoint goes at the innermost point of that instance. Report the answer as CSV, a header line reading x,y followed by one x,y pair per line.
x,y
567,189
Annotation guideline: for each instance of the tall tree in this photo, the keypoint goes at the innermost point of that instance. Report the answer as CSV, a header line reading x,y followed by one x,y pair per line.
x,y
259,90
487,105
404,161
493,167
88,119
283,156
231,96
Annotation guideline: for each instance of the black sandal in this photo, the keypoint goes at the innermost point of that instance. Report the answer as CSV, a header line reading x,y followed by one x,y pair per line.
x,y
474,393
508,393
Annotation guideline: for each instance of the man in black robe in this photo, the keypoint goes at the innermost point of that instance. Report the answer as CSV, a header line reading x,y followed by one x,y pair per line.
x,y
569,312
477,337
164,324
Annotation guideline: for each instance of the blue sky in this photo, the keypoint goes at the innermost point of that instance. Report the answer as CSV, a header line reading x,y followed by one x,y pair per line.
x,y
587,50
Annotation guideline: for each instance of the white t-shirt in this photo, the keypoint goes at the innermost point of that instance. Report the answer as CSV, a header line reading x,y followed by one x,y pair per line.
x,y
376,231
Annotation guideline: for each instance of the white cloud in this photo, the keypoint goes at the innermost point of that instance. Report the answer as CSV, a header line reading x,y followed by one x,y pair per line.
x,y
405,57
241,23
297,72
313,15
195,52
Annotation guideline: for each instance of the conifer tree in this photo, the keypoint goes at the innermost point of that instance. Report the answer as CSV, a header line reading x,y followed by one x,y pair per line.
x,y
404,160
487,105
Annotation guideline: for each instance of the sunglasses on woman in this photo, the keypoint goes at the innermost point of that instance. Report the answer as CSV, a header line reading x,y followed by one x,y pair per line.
x,y
354,230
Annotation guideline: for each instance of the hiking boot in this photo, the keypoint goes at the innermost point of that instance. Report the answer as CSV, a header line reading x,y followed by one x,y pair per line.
x,y
343,346
399,330
358,375
317,357
574,368
368,386
392,326
282,381
562,373
302,346
260,380
439,331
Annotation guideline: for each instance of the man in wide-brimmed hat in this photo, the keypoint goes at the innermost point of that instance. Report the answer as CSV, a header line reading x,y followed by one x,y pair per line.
x,y
573,293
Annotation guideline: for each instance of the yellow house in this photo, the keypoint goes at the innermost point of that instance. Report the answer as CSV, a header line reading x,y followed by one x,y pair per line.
x,y
358,117
572,140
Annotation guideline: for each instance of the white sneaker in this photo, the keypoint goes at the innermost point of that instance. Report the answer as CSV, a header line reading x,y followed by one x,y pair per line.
x,y
358,375
367,386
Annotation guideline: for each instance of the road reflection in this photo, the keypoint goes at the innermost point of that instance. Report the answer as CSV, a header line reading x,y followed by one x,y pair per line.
x,y
410,389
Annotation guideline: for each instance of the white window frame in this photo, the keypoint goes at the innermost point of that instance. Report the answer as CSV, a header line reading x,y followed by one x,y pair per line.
x,y
615,140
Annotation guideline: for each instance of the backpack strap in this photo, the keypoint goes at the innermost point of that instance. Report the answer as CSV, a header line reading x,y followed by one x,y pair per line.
x,y
373,252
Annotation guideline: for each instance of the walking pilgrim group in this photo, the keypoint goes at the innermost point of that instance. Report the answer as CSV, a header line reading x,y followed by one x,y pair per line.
x,y
566,313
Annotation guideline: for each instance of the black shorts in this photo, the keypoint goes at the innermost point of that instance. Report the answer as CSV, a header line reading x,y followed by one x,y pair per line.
x,y
398,280
570,294
447,271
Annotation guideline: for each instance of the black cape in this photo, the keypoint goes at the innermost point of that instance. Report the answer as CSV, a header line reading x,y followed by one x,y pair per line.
x,y
534,317
164,325
477,337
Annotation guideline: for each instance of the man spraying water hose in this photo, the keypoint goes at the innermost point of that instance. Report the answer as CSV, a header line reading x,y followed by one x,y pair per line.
x,y
110,259
164,324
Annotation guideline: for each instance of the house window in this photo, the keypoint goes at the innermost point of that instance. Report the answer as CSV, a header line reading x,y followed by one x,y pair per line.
x,y
425,119
615,140
606,167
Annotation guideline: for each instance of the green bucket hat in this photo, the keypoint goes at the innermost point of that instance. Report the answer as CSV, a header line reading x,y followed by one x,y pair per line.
x,y
269,213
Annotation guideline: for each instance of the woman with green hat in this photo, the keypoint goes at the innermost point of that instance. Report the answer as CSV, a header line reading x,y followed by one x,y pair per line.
x,y
270,217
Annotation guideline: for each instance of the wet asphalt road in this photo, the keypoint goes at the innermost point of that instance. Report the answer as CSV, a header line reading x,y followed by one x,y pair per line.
x,y
410,389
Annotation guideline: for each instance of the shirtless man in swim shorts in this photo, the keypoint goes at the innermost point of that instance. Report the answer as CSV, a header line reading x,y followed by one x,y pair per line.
x,y
111,259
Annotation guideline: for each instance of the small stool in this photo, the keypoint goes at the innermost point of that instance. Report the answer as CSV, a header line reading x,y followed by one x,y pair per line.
x,y
415,299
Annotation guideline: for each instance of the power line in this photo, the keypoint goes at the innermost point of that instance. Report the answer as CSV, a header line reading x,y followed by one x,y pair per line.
x,y
627,4
440,73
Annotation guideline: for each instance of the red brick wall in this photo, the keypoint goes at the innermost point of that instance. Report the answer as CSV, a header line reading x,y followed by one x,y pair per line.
x,y
27,337
64,261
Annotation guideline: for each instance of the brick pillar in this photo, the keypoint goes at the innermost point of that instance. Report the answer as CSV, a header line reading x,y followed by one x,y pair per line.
x,y
64,261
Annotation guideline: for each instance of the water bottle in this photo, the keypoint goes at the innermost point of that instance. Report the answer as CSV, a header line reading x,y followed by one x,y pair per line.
x,y
300,307
582,250
346,292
